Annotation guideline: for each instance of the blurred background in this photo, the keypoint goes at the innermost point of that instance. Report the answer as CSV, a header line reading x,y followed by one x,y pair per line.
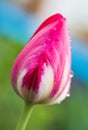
x,y
18,21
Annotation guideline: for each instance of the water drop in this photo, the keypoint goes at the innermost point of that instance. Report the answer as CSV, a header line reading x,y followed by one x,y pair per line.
x,y
71,74
68,95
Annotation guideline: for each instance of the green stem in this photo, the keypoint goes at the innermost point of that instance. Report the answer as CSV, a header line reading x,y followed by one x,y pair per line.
x,y
25,117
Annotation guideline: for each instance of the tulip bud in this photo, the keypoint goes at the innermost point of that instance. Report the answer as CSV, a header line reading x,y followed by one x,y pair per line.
x,y
41,72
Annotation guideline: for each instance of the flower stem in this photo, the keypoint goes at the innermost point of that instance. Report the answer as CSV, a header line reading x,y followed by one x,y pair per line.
x,y
25,117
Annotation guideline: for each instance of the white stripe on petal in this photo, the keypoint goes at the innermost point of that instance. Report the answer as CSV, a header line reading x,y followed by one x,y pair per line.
x,y
19,82
46,84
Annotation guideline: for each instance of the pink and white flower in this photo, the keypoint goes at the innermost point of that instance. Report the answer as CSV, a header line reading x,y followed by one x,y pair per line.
x,y
41,72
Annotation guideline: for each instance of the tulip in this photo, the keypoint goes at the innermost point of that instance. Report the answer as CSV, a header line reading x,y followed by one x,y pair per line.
x,y
41,73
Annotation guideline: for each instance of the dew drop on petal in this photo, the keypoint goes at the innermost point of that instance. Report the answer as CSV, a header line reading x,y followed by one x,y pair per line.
x,y
71,74
68,95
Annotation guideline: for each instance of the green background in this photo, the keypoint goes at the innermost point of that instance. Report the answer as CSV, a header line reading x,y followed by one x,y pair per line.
x,y
71,114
